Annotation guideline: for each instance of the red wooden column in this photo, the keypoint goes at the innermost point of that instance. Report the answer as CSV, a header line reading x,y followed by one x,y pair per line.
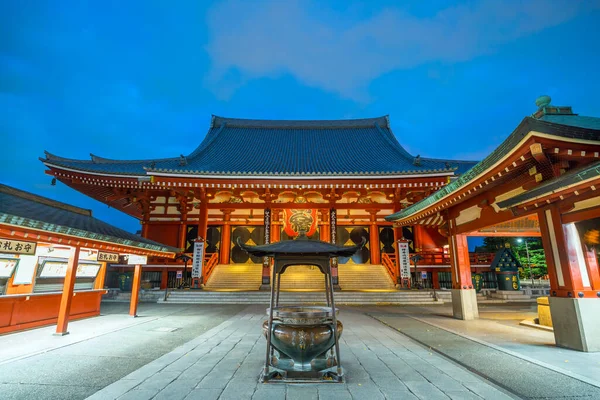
x,y
397,236
275,227
324,233
266,263
135,290
574,283
67,294
225,238
99,283
418,238
435,279
164,279
464,298
374,239
203,219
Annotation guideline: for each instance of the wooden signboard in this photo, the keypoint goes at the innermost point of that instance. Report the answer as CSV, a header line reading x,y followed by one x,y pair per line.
x,y
105,256
134,259
17,247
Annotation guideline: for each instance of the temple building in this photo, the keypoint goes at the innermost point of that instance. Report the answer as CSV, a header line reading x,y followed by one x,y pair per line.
x,y
264,180
547,169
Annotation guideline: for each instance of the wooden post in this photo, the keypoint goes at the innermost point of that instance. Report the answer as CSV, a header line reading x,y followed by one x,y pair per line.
x,y
225,248
135,290
275,227
101,277
164,279
203,223
67,295
374,239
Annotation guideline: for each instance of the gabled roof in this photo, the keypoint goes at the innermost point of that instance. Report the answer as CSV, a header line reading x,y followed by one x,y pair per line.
x,y
269,148
571,126
572,178
28,210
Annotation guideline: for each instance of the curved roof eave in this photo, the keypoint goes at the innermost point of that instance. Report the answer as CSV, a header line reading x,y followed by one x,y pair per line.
x,y
527,126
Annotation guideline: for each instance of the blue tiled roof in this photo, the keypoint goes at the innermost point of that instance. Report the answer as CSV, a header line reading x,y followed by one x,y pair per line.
x,y
573,120
284,148
32,211
566,129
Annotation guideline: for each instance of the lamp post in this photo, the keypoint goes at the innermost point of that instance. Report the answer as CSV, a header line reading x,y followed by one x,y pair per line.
x,y
416,258
528,262
185,258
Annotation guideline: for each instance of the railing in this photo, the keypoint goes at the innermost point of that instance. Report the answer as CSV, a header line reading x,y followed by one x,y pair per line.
x,y
210,262
438,258
389,262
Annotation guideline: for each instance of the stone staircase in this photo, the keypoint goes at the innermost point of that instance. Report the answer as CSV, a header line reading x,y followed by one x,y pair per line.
x,y
364,276
247,277
240,277
409,297
302,277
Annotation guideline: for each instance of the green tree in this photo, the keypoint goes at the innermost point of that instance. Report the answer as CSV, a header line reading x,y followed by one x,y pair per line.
x,y
537,258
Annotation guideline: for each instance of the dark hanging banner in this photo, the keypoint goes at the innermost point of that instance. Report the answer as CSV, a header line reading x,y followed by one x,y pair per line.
x,y
333,230
267,233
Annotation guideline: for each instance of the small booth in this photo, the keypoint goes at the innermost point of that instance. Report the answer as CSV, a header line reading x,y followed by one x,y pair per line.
x,y
302,342
53,260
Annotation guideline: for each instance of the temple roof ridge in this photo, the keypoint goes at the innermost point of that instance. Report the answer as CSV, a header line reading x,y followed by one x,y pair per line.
x,y
217,121
43,200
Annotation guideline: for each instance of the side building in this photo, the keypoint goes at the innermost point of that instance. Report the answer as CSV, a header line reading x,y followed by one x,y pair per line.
x,y
260,181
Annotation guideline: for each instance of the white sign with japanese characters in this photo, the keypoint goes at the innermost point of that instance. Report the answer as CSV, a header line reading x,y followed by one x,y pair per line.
x,y
197,259
134,259
404,259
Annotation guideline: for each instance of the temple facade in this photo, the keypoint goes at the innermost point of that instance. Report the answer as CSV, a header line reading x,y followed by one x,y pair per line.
x,y
261,181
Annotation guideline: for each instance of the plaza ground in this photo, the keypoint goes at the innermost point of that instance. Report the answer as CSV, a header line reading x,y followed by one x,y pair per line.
x,y
217,351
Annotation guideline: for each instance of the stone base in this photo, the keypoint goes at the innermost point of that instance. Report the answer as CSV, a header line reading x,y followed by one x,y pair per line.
x,y
576,323
510,295
464,304
264,287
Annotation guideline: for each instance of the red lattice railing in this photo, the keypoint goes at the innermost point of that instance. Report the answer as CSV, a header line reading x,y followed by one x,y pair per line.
x,y
210,262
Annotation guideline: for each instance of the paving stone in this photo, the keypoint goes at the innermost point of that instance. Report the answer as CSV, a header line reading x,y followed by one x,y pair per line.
x,y
115,390
138,395
204,394
426,391
486,391
329,393
302,392
462,395
398,394
366,392
174,391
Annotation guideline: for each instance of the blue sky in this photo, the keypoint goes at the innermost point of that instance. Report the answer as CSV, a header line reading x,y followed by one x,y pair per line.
x,y
140,79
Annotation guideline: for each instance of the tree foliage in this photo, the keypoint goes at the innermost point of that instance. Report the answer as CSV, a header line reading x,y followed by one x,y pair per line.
x,y
537,258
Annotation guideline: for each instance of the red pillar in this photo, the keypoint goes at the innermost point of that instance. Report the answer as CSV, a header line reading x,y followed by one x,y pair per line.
x,y
275,226
135,290
459,262
225,238
574,283
164,279
435,279
324,233
464,298
374,239
99,283
67,295
203,223
397,236
572,266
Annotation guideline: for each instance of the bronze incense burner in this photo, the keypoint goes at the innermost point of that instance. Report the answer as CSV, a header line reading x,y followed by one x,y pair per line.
x,y
302,342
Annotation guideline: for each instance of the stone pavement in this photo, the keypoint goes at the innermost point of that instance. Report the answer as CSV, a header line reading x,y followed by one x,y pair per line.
x,y
98,351
224,363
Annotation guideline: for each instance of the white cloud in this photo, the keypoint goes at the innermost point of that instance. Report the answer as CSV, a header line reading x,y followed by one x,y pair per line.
x,y
333,51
